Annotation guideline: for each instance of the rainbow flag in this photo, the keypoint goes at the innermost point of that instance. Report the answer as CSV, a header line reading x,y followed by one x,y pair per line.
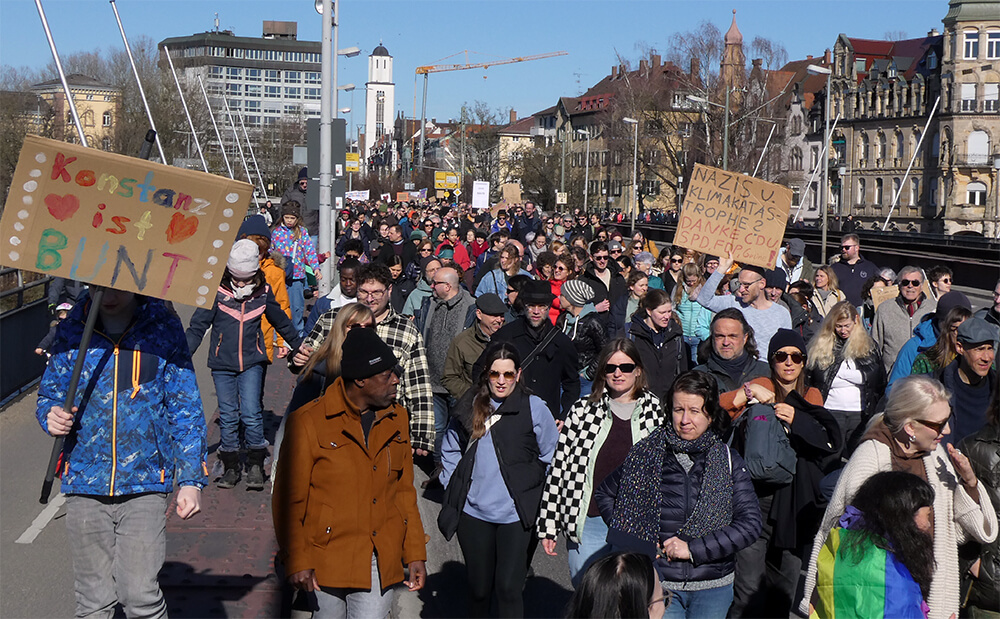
x,y
878,586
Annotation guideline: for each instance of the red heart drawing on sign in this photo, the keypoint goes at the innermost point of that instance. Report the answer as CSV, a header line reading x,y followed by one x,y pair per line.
x,y
62,207
181,228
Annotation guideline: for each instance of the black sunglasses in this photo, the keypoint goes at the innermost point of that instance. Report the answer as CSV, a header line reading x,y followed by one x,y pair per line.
x,y
782,356
910,282
626,368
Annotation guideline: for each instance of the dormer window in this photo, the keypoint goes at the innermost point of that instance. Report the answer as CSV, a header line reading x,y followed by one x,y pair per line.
x,y
932,60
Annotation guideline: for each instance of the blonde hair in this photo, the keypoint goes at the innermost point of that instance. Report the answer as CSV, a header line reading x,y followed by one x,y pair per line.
x,y
832,281
690,269
331,350
822,347
910,397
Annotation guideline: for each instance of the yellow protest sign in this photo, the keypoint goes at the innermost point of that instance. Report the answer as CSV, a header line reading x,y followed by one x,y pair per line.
x,y
352,160
445,180
120,222
728,212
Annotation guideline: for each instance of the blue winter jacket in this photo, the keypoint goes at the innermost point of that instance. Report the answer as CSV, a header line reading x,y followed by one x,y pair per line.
x,y
925,335
237,340
140,424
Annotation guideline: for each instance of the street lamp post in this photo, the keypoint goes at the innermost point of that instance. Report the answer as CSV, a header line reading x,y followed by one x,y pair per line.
x,y
996,192
586,173
725,128
817,70
635,171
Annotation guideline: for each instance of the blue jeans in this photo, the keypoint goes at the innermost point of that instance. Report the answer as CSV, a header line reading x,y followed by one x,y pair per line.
x,y
443,403
118,545
593,545
297,301
374,603
706,604
586,386
693,342
239,401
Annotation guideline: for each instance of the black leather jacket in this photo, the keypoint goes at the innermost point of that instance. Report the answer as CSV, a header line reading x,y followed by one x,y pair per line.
x,y
589,337
983,451
872,371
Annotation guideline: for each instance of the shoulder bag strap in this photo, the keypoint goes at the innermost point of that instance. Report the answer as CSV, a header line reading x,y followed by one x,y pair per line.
x,y
551,335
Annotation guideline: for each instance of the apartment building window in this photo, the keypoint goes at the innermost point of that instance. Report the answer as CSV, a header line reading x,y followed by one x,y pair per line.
x,y
293,93
993,44
991,97
292,108
617,157
293,77
796,196
106,119
273,55
252,106
272,92
604,188
107,97
90,97
863,148
234,73
215,89
254,54
312,94
253,121
968,97
604,158
293,56
252,90
215,73
895,188
878,191
814,157
253,75
235,104
313,77
272,76
651,188
270,121
234,90
978,148
971,45
795,159
932,60
899,144
976,193
106,144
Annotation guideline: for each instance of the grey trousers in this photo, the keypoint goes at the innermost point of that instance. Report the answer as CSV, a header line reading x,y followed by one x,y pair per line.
x,y
375,603
118,545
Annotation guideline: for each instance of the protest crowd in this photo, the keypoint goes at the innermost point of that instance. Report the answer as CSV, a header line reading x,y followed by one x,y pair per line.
x,y
697,437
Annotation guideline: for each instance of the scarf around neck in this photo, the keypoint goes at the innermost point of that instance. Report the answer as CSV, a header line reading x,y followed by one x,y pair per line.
x,y
901,461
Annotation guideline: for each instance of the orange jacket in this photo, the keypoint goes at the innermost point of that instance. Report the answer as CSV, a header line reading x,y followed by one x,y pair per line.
x,y
336,499
275,277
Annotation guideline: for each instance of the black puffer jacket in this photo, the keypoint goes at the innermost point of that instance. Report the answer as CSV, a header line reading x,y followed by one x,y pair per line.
x,y
665,356
589,337
712,556
872,371
983,451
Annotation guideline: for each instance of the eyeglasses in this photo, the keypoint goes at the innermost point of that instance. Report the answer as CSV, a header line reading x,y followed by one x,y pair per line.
x,y
508,375
371,294
945,280
601,257
626,368
748,284
436,283
615,251
782,356
936,426
676,260
910,282
360,325
847,246
560,268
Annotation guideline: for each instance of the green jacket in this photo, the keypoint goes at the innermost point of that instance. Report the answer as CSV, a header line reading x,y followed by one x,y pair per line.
x,y
462,354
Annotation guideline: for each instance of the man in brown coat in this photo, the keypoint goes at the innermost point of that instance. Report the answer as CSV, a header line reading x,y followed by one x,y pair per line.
x,y
345,509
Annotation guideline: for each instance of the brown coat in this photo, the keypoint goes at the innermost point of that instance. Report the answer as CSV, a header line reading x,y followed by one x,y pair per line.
x,y
335,500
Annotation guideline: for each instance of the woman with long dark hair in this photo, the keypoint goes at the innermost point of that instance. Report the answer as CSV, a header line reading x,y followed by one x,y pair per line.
x,y
879,560
494,458
660,340
619,586
685,497
599,432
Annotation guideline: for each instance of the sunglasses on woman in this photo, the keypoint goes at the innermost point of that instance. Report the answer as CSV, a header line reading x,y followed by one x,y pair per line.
x,y
936,426
360,325
508,375
626,368
782,356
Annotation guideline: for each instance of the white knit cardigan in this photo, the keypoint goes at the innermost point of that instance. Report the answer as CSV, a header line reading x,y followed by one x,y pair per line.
x,y
957,518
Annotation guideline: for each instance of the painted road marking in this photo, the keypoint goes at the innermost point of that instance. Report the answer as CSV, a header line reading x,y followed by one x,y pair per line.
x,y
43,519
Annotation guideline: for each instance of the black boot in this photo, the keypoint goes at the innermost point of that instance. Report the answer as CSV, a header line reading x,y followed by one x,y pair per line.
x,y
255,468
230,460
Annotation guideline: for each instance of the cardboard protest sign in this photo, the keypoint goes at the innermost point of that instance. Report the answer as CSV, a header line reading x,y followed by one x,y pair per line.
x,y
480,194
884,293
120,222
511,193
728,212
402,196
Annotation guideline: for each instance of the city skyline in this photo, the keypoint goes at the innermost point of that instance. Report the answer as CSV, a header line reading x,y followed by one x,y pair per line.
x,y
517,29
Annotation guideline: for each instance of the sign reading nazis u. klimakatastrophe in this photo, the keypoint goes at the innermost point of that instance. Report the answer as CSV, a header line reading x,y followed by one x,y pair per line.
x,y
726,212
120,222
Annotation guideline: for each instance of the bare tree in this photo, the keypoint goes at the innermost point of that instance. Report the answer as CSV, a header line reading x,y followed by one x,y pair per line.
x,y
482,144
895,35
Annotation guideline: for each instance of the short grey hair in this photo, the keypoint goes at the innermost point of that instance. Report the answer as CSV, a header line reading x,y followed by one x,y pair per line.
x,y
909,269
910,397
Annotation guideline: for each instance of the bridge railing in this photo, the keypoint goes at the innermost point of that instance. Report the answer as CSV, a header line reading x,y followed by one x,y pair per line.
x,y
24,321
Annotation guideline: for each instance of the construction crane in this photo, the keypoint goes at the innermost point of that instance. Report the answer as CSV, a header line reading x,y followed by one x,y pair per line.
x,y
437,68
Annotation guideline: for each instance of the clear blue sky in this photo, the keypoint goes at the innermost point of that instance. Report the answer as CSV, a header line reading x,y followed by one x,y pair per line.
x,y
419,32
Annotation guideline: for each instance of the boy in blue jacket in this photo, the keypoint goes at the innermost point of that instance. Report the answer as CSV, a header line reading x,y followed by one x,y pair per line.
x,y
137,426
